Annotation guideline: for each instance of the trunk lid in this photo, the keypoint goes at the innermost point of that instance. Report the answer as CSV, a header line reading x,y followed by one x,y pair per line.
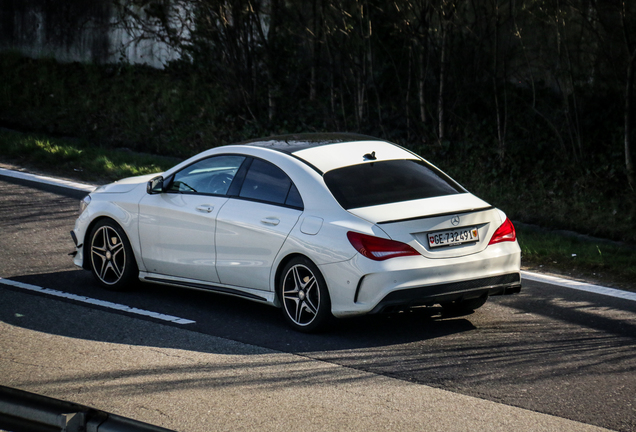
x,y
411,222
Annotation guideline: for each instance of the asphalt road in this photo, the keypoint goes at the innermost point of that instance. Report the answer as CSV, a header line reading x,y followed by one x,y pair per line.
x,y
550,349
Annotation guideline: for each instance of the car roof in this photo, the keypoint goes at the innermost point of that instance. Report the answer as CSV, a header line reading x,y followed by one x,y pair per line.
x,y
327,151
294,142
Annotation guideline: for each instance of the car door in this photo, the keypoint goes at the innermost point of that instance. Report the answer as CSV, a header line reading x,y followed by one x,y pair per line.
x,y
252,227
176,227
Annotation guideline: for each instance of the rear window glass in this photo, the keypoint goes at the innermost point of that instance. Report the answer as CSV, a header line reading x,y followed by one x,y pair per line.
x,y
387,182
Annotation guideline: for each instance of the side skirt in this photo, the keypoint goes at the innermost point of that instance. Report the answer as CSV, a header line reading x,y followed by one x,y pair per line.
x,y
247,293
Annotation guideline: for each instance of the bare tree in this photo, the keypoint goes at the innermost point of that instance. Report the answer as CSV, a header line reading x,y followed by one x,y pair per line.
x,y
630,46
615,29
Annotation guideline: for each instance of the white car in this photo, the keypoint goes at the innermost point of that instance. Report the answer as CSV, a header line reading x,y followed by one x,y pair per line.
x,y
320,225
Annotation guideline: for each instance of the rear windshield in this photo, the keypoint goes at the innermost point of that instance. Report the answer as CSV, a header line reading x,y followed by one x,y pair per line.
x,y
386,182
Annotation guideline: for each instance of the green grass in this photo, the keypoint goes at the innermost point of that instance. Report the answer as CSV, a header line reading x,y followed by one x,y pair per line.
x,y
577,256
76,158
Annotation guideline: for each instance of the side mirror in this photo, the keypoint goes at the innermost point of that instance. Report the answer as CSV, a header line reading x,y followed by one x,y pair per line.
x,y
155,186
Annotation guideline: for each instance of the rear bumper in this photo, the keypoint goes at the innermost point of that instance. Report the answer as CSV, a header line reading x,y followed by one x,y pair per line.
x,y
449,292
361,286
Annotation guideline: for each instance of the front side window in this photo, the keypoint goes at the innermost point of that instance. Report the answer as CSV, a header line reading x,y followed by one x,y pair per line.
x,y
386,182
267,183
211,176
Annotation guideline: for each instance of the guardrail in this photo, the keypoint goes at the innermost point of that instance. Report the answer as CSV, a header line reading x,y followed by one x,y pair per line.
x,y
21,411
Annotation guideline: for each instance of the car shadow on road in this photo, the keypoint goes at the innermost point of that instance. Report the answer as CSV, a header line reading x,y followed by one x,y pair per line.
x,y
221,316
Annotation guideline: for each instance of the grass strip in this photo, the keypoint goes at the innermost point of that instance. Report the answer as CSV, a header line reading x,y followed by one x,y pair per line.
x,y
77,159
577,256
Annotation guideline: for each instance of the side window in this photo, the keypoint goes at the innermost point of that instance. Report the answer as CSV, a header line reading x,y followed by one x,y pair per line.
x,y
208,176
268,183
293,198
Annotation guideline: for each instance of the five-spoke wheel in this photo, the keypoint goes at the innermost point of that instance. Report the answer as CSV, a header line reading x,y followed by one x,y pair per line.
x,y
111,258
304,296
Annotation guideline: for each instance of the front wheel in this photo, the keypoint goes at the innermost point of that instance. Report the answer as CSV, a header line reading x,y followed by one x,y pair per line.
x,y
111,258
304,296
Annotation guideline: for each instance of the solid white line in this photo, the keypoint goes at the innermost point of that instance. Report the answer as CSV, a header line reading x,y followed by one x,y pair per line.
x,y
47,180
96,302
581,286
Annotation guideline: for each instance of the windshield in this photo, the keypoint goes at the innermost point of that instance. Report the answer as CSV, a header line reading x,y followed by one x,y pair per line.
x,y
386,182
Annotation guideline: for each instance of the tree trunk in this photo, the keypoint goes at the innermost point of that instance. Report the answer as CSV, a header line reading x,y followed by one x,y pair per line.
x,y
442,80
425,11
629,93
501,150
422,84
407,99
271,57
314,51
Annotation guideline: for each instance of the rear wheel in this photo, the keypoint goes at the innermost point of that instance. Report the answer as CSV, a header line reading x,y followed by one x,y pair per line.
x,y
464,306
111,258
304,296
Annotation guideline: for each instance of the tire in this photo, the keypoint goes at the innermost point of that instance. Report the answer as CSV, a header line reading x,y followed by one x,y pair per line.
x,y
110,256
463,307
304,296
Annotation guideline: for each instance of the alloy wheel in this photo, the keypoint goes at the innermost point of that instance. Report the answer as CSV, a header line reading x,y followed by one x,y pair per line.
x,y
301,295
108,255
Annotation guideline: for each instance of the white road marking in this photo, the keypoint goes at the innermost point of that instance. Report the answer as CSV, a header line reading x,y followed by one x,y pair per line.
x,y
96,302
47,180
581,286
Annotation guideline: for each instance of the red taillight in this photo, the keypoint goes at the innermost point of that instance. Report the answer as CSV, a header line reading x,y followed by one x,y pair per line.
x,y
506,232
379,249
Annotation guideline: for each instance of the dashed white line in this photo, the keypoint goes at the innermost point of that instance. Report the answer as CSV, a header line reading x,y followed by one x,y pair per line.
x,y
102,303
581,286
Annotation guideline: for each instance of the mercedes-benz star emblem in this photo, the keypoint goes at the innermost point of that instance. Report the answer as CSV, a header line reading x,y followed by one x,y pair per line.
x,y
455,220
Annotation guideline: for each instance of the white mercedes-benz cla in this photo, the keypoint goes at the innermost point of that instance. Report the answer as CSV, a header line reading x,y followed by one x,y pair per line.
x,y
320,225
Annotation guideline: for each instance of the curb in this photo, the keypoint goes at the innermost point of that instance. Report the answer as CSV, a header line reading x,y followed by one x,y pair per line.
x,y
580,286
52,184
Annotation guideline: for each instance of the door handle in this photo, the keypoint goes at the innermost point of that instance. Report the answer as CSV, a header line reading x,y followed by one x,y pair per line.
x,y
270,221
205,208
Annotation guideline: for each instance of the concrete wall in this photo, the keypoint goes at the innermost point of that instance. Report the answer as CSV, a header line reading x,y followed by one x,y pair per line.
x,y
74,30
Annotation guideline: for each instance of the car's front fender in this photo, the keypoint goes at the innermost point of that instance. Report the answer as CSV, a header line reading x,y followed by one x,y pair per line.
x,y
122,209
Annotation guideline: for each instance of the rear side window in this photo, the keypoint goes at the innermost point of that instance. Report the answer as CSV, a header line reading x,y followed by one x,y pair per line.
x,y
267,183
386,182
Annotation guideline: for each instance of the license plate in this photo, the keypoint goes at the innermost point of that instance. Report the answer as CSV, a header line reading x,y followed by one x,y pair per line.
x,y
453,237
